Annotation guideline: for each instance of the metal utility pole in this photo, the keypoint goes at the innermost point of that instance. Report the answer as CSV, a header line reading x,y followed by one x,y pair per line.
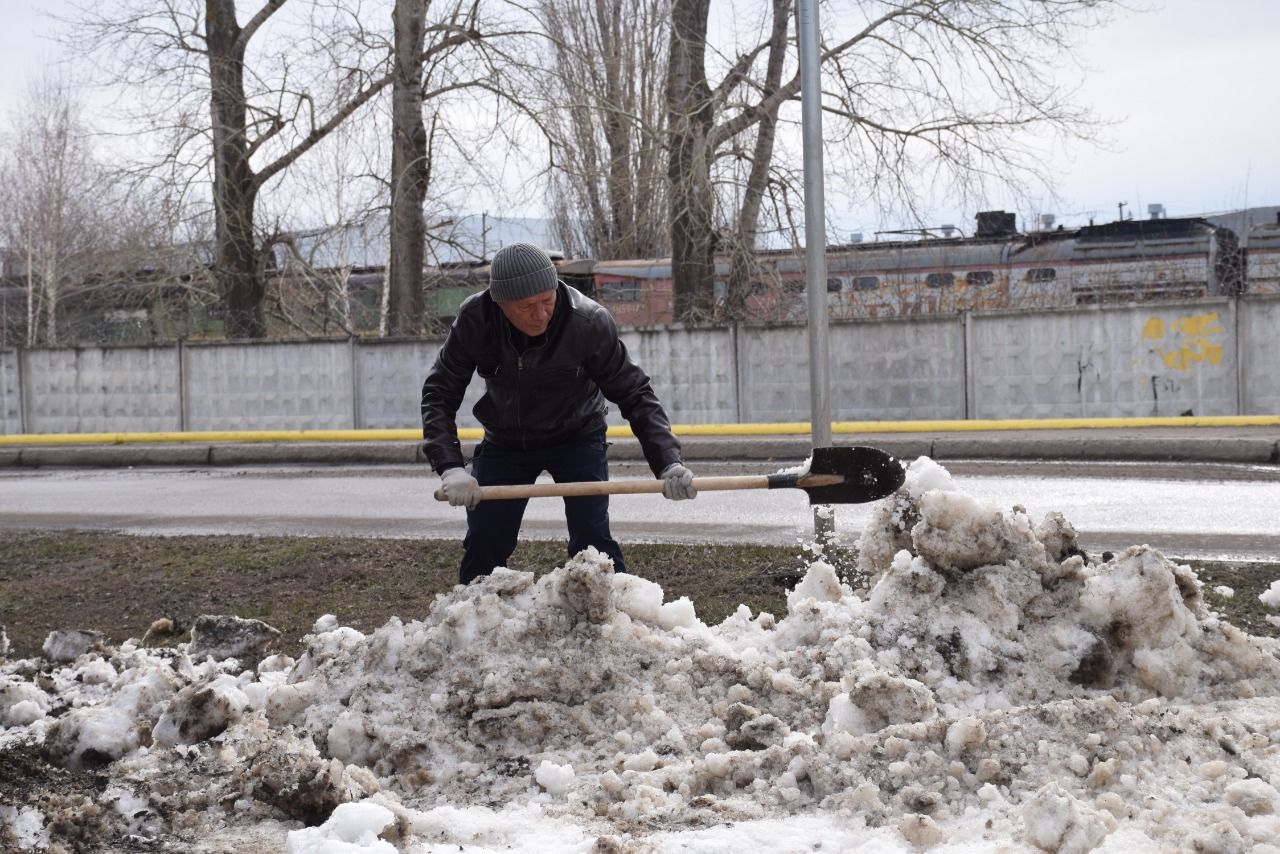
x,y
815,242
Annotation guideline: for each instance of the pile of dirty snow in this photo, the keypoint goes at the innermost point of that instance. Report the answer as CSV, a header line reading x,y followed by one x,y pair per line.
x,y
995,688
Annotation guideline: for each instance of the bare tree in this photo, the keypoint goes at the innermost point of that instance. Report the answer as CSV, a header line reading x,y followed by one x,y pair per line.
x,y
148,276
49,192
99,257
245,102
917,93
607,119
319,270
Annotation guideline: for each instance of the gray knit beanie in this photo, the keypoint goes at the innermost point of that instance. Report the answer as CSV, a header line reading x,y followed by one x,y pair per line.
x,y
520,270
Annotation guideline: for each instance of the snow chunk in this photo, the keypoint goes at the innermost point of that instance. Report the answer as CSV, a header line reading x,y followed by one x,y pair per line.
x,y
23,713
21,703
96,671
638,598
641,599
27,826
964,735
1055,821
201,711
350,829
920,830
1254,797
925,475
1271,596
68,645
223,636
678,614
556,779
820,584
958,532
1147,610
91,737
586,587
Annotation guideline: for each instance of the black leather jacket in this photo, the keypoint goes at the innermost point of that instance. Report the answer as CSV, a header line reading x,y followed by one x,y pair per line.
x,y
553,392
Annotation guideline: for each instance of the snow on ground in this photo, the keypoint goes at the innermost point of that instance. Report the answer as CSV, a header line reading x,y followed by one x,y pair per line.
x,y
995,690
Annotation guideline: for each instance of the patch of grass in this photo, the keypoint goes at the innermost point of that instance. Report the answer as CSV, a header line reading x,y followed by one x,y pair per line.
x,y
1248,580
119,584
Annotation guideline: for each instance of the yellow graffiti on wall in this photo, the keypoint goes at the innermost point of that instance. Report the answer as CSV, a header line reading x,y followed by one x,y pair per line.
x,y
1191,340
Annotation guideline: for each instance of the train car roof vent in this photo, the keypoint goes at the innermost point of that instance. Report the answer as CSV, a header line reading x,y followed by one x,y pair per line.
x,y
1047,221
1155,211
855,237
996,224
948,230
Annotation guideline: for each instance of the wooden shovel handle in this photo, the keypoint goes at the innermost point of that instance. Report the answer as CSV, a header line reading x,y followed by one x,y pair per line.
x,y
634,487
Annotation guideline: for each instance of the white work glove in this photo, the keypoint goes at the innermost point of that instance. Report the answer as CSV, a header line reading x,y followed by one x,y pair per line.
x,y
677,483
460,488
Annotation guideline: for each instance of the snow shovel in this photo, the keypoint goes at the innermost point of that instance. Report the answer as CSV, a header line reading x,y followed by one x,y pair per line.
x,y
836,476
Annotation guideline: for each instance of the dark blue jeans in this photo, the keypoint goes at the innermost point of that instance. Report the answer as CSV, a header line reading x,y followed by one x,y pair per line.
x,y
492,527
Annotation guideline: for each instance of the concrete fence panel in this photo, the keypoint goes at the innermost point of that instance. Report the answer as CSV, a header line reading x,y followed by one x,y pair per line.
x,y
1260,356
1211,357
102,390
693,372
773,373
887,371
895,370
1131,361
304,385
389,377
10,392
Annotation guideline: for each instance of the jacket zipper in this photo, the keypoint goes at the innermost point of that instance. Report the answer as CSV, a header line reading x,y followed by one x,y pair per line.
x,y
524,441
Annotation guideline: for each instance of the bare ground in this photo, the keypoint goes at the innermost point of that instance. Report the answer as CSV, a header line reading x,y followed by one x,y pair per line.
x,y
119,584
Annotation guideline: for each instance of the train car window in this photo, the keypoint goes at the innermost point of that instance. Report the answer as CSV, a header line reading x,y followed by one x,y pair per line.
x,y
793,287
627,290
834,285
940,280
977,278
1041,274
757,289
866,283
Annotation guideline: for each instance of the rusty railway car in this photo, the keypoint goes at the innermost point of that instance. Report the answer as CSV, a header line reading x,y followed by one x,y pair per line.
x,y
997,268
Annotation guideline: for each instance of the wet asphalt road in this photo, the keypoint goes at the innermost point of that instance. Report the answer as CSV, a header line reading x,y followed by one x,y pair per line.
x,y
1186,509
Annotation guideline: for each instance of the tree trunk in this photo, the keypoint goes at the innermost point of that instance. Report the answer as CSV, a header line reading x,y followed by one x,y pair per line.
x,y
693,239
235,187
409,173
33,331
617,132
50,277
742,265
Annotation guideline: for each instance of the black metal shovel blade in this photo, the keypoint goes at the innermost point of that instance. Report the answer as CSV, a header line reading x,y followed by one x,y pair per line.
x,y
869,474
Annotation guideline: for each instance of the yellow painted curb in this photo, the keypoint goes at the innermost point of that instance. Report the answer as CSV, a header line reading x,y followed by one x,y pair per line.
x,y
777,429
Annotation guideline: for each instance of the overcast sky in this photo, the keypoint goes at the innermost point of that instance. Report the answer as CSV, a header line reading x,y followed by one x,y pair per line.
x,y
1191,87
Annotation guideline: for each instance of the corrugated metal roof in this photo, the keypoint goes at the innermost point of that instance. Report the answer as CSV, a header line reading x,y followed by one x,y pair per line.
x,y
470,238
1245,221
656,268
